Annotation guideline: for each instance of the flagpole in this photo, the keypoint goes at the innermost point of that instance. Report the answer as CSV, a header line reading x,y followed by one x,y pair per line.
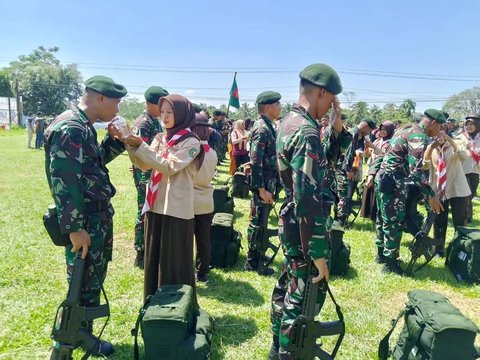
x,y
230,96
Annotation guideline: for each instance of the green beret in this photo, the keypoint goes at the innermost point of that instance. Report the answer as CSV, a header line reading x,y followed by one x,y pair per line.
x,y
268,97
452,120
197,108
436,115
473,116
445,114
371,123
106,86
154,93
324,76
218,113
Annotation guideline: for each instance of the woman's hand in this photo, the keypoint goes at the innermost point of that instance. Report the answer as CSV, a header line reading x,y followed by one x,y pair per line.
x,y
132,141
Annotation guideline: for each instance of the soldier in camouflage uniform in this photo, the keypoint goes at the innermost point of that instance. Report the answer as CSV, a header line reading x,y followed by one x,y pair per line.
x,y
305,214
263,176
401,165
80,185
147,127
221,126
345,173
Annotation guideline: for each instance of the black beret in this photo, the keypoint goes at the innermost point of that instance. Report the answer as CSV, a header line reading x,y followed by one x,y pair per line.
x,y
324,76
268,97
218,113
371,123
451,120
445,114
344,117
154,93
106,86
436,115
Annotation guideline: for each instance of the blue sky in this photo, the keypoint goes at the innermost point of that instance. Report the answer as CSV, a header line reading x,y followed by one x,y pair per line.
x,y
383,50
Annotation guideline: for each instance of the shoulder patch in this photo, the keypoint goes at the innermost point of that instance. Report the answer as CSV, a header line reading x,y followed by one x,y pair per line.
x,y
193,153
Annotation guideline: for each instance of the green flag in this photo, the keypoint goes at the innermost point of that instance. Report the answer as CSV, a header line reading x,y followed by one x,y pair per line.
x,y
234,100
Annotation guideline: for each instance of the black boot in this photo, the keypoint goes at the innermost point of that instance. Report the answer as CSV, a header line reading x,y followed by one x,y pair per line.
x,y
392,266
139,259
273,354
103,348
252,261
380,258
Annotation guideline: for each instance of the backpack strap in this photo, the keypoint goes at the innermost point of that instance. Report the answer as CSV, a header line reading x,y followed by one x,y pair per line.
x,y
341,319
383,348
134,331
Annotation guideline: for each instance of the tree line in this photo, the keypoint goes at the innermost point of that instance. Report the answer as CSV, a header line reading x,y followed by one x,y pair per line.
x,y
48,86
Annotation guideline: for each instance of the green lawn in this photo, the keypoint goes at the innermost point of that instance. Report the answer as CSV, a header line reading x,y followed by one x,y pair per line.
x,y
32,278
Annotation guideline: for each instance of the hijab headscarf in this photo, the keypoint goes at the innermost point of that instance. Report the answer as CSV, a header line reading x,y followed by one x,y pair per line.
x,y
184,115
389,127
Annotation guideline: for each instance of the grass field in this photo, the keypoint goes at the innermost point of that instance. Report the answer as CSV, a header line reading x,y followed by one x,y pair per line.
x,y
32,276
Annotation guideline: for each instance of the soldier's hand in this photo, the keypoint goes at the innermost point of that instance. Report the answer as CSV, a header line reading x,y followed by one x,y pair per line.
x,y
435,204
80,240
265,196
132,140
350,175
369,182
322,267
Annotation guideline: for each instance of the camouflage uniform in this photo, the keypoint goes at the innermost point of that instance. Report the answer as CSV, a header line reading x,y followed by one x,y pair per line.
x,y
304,218
221,146
344,165
263,174
81,189
147,127
404,164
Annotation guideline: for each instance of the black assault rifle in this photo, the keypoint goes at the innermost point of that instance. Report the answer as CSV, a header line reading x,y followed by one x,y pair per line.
x,y
264,234
423,245
305,330
70,329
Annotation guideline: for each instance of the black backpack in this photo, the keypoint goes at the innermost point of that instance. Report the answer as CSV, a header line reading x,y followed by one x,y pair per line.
x,y
225,241
222,201
463,255
434,329
240,186
339,251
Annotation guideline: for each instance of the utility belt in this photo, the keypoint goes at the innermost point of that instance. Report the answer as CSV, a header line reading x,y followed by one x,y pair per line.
x,y
96,206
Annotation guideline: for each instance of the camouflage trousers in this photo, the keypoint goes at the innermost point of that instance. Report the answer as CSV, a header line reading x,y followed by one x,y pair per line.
x,y
221,149
343,207
288,294
256,207
390,218
100,229
140,180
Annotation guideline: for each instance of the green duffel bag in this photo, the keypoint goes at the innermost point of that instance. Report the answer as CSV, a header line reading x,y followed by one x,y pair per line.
x,y
339,251
434,329
463,255
198,345
232,250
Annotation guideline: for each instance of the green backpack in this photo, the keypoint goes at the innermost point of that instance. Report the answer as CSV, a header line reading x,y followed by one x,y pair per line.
x,y
339,251
434,329
173,328
225,242
463,255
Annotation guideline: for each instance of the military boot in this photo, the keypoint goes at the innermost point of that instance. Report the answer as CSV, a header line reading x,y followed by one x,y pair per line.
x,y
273,354
392,266
139,262
380,258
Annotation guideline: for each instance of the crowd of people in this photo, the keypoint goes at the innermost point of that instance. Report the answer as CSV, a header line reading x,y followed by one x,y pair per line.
x,y
175,147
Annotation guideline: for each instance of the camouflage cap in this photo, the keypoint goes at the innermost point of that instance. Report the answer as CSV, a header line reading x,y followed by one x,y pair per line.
x,y
324,76
106,86
436,115
268,97
154,93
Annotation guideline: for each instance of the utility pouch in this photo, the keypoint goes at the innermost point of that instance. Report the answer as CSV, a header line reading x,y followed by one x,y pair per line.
x,y
387,183
52,225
